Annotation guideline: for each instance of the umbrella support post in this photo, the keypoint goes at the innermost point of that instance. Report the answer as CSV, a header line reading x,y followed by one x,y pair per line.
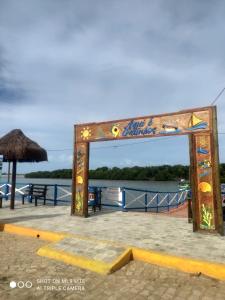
x,y
8,180
12,202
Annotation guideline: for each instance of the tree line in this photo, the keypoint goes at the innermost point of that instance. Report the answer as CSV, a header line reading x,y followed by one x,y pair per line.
x,y
158,173
61,173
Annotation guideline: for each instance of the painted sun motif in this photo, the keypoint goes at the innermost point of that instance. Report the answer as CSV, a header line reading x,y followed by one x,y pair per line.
x,y
85,133
205,187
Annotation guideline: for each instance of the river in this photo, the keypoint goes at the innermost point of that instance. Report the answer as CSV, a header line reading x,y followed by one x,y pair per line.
x,y
159,186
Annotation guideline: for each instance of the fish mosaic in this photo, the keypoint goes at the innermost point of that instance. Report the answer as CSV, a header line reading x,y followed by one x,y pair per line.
x,y
202,150
203,174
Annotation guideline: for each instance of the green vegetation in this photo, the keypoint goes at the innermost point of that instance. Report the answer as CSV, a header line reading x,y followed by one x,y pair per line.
x,y
62,173
158,173
163,173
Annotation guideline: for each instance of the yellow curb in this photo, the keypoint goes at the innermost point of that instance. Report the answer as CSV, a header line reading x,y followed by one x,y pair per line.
x,y
121,261
85,263
185,264
43,235
188,265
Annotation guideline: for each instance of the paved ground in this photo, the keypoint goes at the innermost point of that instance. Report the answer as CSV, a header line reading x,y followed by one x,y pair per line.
x,y
150,231
55,280
180,212
90,249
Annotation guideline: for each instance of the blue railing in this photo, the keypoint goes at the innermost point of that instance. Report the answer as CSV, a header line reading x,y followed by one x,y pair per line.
x,y
56,193
140,199
118,198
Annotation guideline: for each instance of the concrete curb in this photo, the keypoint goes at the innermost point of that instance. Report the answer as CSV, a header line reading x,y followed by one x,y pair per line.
x,y
43,235
185,264
85,263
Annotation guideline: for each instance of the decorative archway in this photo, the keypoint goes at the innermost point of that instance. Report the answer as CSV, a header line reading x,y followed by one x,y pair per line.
x,y
201,126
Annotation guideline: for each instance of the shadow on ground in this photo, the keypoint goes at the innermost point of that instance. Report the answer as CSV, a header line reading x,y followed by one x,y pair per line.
x,y
26,218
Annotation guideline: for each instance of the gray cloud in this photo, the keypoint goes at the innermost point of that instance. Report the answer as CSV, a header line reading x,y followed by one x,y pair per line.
x,y
78,61
9,94
10,90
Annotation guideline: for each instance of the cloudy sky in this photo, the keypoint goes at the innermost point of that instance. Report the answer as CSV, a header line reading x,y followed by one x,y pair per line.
x,y
72,61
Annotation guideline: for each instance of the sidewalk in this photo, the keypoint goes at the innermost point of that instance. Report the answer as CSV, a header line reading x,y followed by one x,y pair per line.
x,y
151,232
136,280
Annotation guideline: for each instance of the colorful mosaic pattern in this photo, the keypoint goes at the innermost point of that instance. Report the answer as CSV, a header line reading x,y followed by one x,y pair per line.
x,y
200,124
80,163
182,123
205,181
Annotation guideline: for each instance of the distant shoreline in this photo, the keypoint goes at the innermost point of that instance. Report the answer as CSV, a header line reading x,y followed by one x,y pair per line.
x,y
17,175
136,173
148,173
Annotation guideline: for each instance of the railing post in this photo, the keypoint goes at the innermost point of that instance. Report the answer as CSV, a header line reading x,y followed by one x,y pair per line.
x,y
146,202
6,191
182,197
30,197
177,197
99,196
123,199
96,195
168,202
55,194
189,199
157,203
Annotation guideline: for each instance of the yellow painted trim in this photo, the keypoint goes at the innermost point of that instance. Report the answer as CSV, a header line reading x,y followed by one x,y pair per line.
x,y
83,262
122,260
43,235
51,235
185,264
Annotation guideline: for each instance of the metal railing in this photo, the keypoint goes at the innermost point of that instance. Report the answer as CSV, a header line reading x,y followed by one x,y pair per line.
x,y
140,199
56,193
119,198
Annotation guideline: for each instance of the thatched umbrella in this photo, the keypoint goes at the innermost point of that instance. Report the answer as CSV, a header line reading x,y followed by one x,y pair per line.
x,y
15,146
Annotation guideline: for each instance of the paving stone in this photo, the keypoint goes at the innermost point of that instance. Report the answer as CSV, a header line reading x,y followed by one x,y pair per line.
x,y
117,285
19,261
150,231
91,249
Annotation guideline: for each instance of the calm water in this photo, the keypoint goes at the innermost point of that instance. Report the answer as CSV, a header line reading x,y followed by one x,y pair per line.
x,y
161,186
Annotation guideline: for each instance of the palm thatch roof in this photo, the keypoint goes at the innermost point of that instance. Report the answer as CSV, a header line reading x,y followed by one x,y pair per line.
x,y
16,146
